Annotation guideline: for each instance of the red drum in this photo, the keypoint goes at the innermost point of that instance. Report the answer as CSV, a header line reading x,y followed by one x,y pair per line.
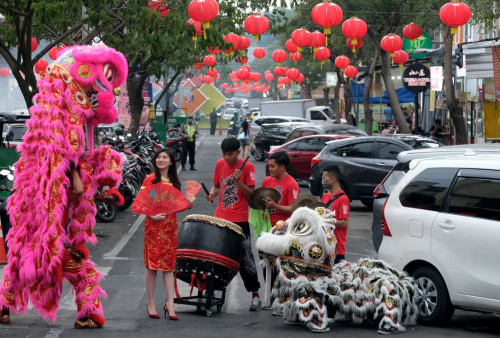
x,y
208,247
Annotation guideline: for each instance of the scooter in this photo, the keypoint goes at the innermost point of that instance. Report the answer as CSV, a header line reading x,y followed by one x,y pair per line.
x,y
233,128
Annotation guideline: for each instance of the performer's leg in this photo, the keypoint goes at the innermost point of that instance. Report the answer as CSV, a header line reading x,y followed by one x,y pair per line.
x,y
184,154
191,146
80,272
150,281
168,283
248,270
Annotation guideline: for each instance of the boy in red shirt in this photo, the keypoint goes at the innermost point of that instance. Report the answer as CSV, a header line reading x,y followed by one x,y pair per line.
x,y
336,200
284,183
234,186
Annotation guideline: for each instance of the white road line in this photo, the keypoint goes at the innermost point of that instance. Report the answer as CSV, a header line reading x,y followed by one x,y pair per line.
x,y
358,237
121,244
54,333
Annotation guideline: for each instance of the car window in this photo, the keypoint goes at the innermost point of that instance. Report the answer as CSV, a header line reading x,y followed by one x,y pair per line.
x,y
308,132
317,115
259,122
298,120
395,175
363,149
292,146
312,144
283,131
428,189
476,197
389,151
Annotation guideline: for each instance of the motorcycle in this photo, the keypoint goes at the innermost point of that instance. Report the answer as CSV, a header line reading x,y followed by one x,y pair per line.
x,y
106,207
233,128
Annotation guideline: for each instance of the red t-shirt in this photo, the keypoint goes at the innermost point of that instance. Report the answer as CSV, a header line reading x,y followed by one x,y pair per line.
x,y
289,191
233,204
341,206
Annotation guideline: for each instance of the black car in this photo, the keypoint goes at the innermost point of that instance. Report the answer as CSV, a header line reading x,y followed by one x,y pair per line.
x,y
318,129
363,163
273,134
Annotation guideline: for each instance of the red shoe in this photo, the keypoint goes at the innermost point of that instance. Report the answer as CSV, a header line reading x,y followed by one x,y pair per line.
x,y
152,315
165,308
93,321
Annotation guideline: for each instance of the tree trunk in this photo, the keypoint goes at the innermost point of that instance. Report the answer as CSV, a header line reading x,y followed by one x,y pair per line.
x,y
326,98
347,98
391,93
454,107
336,99
366,95
134,88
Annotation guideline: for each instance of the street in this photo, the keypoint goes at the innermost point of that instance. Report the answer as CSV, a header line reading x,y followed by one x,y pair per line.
x,y
119,256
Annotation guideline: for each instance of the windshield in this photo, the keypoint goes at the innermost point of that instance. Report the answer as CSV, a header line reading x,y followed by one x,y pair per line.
x,y
396,174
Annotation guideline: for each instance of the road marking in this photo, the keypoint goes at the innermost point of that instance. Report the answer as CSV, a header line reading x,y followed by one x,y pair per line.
x,y
54,333
358,237
121,244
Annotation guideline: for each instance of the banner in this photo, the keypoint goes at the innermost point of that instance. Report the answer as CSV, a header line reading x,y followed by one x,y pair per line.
x,y
437,78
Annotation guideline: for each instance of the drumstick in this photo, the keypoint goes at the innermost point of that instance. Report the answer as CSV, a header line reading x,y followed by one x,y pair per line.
x,y
206,190
243,164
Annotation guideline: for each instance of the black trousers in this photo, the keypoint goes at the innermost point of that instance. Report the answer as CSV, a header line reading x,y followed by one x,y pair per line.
x,y
188,148
248,269
212,127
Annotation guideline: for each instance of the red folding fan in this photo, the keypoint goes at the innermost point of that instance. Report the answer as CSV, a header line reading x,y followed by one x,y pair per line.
x,y
159,198
192,187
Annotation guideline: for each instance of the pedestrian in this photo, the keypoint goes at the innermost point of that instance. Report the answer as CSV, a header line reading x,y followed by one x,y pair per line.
x,y
437,130
244,136
336,200
388,114
213,121
189,143
386,130
286,185
234,186
351,119
406,115
160,236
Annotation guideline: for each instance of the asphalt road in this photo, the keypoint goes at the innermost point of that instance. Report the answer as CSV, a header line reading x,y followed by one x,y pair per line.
x,y
118,255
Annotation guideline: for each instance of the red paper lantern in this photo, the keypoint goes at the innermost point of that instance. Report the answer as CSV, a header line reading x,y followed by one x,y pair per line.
x,y
244,43
247,67
159,6
269,77
34,44
212,72
412,32
341,62
351,72
224,85
279,86
235,40
4,72
256,25
242,59
355,29
208,79
213,50
279,71
301,37
259,53
359,44
287,80
455,14
41,66
293,73
326,15
391,43
243,74
318,39
290,46
53,52
279,55
203,11
322,54
295,57
400,57
256,77
199,65
301,78
209,61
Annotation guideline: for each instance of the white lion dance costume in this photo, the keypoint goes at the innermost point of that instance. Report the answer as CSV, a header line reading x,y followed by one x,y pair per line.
x,y
308,281
46,241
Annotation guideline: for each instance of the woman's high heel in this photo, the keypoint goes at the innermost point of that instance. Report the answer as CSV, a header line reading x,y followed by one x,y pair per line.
x,y
165,308
152,315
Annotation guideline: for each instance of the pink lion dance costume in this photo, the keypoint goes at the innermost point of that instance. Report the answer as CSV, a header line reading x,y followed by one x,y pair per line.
x,y
46,242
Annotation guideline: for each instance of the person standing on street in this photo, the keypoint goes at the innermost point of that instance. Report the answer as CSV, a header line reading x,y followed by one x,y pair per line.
x,y
213,121
189,143
245,140
388,114
234,186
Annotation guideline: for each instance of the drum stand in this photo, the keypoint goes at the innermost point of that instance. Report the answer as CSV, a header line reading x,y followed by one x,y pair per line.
x,y
205,299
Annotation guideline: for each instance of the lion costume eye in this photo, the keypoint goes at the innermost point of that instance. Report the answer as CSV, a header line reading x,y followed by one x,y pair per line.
x,y
109,72
302,229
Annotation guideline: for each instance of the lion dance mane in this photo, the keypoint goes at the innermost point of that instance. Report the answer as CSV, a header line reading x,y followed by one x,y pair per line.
x,y
310,288
46,241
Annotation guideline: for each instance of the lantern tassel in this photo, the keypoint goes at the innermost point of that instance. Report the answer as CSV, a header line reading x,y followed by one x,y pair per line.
x,y
327,31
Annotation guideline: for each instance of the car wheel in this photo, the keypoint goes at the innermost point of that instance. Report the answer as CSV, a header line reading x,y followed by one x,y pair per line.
x,y
367,202
433,301
259,154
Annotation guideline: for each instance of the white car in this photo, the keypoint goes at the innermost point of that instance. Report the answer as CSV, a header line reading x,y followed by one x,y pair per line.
x,y
441,224
260,120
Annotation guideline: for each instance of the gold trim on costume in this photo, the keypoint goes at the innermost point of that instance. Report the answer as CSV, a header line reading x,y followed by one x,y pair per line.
x,y
214,221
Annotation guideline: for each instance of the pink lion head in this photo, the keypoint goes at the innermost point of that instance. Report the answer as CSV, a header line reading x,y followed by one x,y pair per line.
x,y
100,71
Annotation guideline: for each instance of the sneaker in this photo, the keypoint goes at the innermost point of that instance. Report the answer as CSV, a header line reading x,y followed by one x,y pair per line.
x,y
388,329
256,304
277,312
342,318
183,168
193,169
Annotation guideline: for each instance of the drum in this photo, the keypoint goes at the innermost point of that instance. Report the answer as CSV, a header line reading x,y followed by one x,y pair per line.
x,y
209,247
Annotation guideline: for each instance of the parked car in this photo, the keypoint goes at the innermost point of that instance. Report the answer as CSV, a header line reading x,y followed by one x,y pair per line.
x,y
315,129
228,103
254,112
228,114
14,135
363,163
260,120
416,141
273,134
384,189
301,151
441,224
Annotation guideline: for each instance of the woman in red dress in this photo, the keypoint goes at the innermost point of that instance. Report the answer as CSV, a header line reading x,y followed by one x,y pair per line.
x,y
160,236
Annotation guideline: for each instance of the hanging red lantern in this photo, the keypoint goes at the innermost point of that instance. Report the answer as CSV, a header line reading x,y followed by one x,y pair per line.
x,y
242,59
341,62
355,29
318,39
269,77
243,74
213,50
209,61
322,54
224,85
279,55
455,14
359,44
295,57
400,57
199,65
287,81
256,25
293,73
327,15
412,32
208,79
247,67
279,71
41,66
301,78
301,37
290,46
244,43
391,43
212,72
233,39
259,53
197,30
351,72
159,6
53,52
4,72
34,44
203,11
256,77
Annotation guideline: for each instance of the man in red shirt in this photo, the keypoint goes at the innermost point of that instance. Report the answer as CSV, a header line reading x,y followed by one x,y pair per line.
x,y
336,200
284,183
234,186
